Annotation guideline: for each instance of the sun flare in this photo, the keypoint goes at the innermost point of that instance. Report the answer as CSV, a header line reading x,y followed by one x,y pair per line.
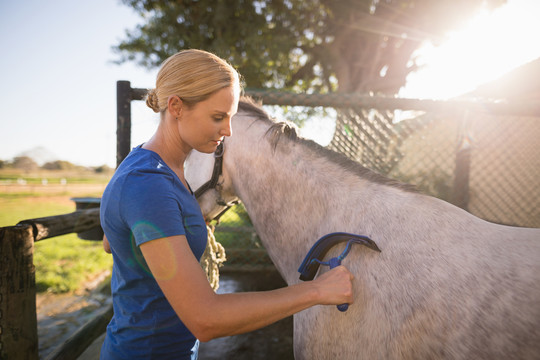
x,y
490,45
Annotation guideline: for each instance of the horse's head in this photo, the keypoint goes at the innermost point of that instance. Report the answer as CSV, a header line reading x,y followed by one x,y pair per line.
x,y
208,178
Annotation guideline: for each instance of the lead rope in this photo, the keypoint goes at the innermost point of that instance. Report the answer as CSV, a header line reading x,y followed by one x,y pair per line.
x,y
213,258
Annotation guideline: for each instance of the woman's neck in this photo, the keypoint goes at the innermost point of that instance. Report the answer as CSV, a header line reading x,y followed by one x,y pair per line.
x,y
170,147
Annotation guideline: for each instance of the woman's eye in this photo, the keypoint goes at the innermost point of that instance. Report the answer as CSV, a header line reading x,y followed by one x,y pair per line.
x,y
218,118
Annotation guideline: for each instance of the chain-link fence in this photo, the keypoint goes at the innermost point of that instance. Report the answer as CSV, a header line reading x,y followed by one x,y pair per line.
x,y
487,164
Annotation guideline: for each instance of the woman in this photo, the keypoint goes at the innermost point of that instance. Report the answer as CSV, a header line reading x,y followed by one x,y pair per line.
x,y
156,233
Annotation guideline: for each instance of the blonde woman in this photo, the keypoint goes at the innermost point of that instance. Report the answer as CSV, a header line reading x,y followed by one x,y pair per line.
x,y
163,303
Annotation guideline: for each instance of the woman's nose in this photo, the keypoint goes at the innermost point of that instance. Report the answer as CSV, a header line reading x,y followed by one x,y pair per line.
x,y
227,128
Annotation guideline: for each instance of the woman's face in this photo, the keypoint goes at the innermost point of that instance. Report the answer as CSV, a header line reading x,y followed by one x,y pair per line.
x,y
203,126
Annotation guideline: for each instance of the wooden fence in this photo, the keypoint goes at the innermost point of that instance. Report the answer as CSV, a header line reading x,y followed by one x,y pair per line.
x,y
18,318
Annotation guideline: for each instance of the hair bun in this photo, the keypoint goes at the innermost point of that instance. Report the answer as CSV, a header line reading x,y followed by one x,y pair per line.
x,y
152,100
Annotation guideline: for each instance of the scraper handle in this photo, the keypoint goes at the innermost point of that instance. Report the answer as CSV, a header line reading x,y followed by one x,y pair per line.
x,y
333,263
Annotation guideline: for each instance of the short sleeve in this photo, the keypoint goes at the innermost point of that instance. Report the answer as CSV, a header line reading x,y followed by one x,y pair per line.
x,y
149,207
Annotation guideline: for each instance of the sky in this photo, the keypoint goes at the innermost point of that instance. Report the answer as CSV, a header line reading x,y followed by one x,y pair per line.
x,y
57,79
58,82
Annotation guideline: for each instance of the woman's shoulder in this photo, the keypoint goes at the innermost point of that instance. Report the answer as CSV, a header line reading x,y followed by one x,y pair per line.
x,y
143,167
142,161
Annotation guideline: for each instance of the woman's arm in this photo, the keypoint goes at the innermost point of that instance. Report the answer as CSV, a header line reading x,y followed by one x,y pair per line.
x,y
209,315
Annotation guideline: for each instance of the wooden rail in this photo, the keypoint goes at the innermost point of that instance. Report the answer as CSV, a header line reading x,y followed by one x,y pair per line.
x,y
18,318
51,226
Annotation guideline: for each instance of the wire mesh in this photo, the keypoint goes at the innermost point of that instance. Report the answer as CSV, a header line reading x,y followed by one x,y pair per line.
x,y
501,172
505,170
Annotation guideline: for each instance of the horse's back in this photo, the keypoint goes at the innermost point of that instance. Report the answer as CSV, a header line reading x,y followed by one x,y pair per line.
x,y
476,296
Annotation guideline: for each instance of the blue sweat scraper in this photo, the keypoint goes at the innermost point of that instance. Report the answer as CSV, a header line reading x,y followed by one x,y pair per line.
x,y
314,257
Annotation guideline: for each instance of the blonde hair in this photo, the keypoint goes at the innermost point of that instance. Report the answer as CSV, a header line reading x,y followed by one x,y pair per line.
x,y
193,75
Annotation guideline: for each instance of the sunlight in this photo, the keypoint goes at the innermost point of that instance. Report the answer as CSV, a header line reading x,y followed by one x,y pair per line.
x,y
491,45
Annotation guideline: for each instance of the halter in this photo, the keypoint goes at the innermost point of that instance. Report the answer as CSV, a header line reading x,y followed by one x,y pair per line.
x,y
216,172
213,183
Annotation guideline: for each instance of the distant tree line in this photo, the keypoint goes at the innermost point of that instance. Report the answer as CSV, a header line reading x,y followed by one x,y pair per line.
x,y
26,163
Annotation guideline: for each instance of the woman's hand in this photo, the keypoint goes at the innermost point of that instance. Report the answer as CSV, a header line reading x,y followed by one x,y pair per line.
x,y
335,286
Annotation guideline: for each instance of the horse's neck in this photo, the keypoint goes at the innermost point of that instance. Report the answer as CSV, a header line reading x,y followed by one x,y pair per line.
x,y
292,200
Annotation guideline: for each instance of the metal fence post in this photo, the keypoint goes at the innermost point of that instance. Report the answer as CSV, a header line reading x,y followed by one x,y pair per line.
x,y
123,120
463,164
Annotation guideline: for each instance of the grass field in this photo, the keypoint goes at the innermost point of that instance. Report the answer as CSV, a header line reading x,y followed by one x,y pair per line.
x,y
65,262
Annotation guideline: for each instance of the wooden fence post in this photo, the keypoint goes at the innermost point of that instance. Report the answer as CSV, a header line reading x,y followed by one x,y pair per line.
x,y
18,319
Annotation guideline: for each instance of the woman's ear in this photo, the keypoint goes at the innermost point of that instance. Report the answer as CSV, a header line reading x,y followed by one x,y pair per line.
x,y
174,105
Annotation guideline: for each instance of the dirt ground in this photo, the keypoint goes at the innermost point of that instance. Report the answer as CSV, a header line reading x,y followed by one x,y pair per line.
x,y
60,315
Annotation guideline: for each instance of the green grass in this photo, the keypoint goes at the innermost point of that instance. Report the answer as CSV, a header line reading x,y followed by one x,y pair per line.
x,y
236,217
16,207
63,263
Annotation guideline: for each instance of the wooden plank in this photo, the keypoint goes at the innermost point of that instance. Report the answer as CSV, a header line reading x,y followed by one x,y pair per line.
x,y
51,226
18,320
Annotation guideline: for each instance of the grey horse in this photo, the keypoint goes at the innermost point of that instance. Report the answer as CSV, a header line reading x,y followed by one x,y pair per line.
x,y
446,284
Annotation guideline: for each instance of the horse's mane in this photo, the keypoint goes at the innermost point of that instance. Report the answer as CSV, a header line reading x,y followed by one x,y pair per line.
x,y
278,130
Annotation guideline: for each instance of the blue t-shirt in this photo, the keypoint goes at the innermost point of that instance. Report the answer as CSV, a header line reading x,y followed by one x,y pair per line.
x,y
145,200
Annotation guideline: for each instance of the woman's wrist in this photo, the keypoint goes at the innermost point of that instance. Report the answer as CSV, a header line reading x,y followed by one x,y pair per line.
x,y
312,293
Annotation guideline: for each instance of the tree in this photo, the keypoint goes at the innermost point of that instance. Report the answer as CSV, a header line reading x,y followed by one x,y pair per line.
x,y
103,169
59,165
25,163
316,45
